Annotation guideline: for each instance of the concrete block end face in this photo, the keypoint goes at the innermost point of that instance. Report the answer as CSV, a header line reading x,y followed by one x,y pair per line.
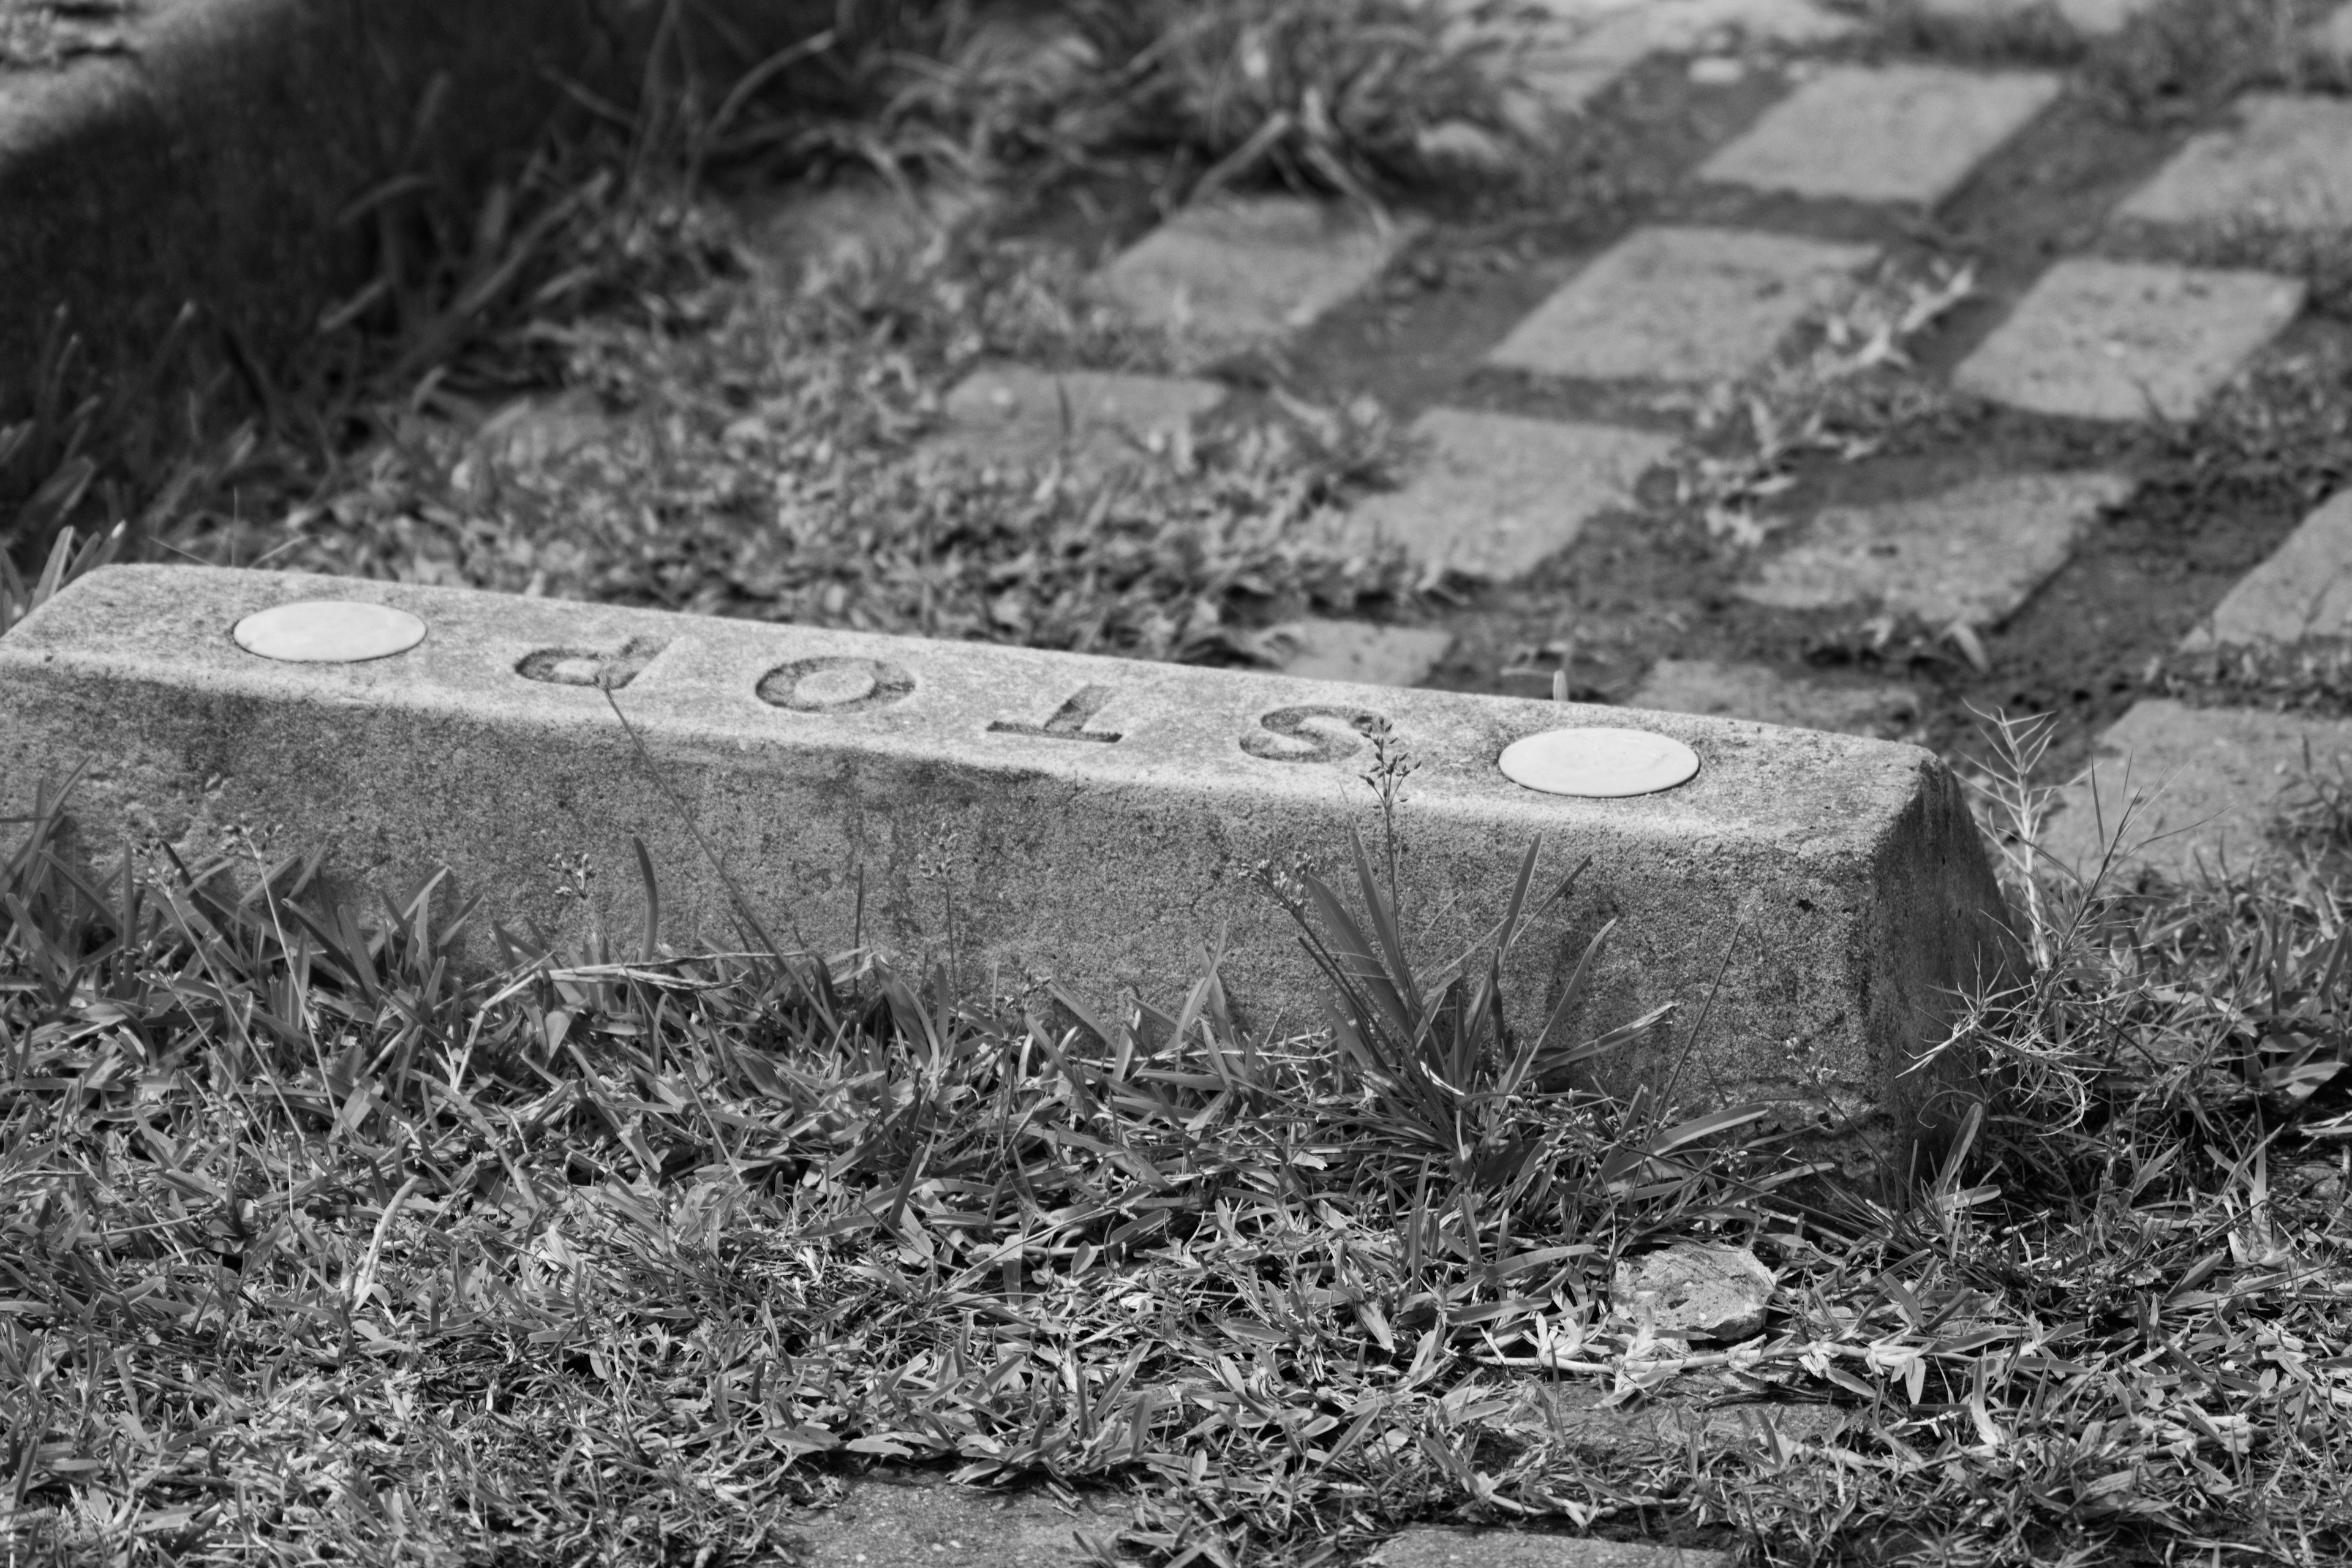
x,y
1092,821
1949,940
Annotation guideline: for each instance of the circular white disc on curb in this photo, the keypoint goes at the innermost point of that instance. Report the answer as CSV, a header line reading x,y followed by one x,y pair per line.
x,y
329,631
1600,763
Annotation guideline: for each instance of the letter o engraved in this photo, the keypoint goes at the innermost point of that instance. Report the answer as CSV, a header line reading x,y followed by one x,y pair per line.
x,y
1295,734
835,685
585,666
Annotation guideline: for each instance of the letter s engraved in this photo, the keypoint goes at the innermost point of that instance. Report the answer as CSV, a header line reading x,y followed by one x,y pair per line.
x,y
1309,735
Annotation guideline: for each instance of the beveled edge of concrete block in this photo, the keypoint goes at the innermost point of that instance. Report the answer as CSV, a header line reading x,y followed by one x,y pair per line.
x,y
1843,879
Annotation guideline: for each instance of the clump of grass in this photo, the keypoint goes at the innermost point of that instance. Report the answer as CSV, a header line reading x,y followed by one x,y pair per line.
x,y
2025,32
2170,61
2181,58
2311,675
1846,396
633,1251
760,453
1324,95
313,1246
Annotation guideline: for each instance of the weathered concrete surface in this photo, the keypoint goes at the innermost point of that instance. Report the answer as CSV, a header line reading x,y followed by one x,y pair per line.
x,y
1093,419
1681,304
2304,589
2122,340
1972,554
1241,272
1443,1546
2212,782
1360,652
920,1522
1726,690
1497,494
1887,134
2286,164
1029,814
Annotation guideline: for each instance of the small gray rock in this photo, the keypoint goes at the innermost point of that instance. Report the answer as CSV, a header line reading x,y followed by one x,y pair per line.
x,y
1696,1289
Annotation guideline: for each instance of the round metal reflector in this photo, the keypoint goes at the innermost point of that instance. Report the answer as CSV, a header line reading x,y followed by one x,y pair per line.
x,y
329,631
1598,764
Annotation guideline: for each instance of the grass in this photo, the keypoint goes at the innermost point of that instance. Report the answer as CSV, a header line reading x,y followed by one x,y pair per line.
x,y
2170,61
766,460
316,1249
760,445
1350,96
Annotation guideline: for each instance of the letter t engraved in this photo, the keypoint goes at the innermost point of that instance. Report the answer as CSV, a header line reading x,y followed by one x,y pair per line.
x,y
1069,720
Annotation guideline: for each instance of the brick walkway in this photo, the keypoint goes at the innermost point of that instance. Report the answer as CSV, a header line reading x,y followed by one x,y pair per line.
x,y
1541,431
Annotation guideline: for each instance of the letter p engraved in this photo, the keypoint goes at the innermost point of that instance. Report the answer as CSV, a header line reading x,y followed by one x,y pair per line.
x,y
1069,720
585,667
1308,734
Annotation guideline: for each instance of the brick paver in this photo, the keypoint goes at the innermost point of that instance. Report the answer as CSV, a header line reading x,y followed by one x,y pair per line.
x,y
1096,418
1890,133
2285,165
2115,340
1756,691
1361,652
1971,554
1238,272
1499,493
1681,304
2217,778
2333,37
2094,18
2302,590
